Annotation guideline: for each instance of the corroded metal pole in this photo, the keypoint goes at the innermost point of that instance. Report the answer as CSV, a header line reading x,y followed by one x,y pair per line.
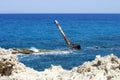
x,y
65,38
63,34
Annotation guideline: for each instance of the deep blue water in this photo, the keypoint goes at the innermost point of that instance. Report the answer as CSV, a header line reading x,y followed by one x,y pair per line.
x,y
98,34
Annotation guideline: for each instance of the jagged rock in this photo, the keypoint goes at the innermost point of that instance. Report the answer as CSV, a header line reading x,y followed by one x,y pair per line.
x,y
102,68
6,64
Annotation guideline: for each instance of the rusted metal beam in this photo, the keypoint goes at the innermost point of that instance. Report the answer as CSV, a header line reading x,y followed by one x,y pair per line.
x,y
65,38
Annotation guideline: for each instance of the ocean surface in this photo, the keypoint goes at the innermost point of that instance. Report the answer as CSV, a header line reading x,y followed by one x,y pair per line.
x,y
98,34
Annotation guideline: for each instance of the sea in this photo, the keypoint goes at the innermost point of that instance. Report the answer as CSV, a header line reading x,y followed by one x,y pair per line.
x,y
97,34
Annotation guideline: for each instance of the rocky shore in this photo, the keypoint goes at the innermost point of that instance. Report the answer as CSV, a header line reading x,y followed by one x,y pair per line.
x,y
102,68
27,51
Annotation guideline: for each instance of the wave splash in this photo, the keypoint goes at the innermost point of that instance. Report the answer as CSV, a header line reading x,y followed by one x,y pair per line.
x,y
34,49
51,52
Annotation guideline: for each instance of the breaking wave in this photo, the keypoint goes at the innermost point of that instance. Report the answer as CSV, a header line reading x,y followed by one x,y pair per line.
x,y
34,49
52,52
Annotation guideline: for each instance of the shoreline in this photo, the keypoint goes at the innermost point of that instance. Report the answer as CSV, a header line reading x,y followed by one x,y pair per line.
x,y
28,51
101,68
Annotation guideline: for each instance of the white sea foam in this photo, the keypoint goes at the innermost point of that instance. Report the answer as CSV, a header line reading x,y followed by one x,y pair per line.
x,y
52,52
56,52
34,49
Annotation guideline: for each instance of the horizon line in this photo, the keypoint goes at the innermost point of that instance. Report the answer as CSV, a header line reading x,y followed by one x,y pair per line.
x,y
59,13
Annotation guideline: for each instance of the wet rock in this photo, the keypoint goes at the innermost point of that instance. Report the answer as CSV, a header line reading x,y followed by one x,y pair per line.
x,y
27,51
24,51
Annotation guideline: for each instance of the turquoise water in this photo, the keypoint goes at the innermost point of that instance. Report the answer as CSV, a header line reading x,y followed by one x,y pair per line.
x,y
98,34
